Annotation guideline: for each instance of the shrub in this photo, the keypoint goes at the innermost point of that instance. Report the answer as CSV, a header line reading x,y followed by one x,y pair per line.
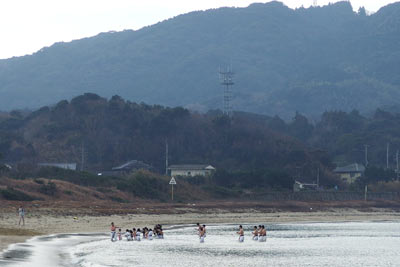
x,y
12,194
68,192
118,199
146,184
221,192
38,181
197,180
49,189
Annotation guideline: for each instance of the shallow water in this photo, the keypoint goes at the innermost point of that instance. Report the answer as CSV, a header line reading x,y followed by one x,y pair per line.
x,y
310,244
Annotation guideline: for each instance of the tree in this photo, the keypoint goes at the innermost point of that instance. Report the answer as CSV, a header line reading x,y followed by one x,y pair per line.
x,y
362,12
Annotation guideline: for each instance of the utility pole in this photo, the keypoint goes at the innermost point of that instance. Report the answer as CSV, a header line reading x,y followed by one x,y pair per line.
x,y
82,154
318,177
166,156
366,155
397,165
387,156
365,193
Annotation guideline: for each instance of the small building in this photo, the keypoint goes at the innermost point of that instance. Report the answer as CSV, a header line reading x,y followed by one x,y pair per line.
x,y
127,168
299,186
350,173
190,170
5,167
66,166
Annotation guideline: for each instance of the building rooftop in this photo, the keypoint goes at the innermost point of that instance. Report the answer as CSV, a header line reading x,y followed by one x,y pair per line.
x,y
191,167
352,168
132,164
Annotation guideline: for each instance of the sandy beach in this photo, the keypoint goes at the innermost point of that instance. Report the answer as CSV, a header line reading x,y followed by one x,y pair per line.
x,y
47,220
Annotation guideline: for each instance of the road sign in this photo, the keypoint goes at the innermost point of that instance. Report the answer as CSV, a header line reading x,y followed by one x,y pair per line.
x,y
172,182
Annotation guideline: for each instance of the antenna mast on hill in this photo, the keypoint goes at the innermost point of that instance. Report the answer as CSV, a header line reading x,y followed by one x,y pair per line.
x,y
226,79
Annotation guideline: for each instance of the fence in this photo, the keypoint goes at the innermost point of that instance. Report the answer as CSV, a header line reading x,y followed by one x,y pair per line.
x,y
323,196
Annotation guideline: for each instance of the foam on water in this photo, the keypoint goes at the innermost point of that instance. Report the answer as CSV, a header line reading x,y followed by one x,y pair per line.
x,y
45,250
310,244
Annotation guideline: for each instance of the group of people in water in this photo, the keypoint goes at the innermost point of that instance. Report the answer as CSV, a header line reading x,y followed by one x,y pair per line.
x,y
136,234
259,233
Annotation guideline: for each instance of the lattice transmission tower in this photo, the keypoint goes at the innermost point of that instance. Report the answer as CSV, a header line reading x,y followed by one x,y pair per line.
x,y
226,79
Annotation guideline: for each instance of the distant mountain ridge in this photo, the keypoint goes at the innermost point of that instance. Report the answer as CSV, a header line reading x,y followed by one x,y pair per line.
x,y
307,60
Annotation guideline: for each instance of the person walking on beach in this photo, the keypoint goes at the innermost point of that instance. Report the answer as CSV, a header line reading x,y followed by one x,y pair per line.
x,y
241,234
21,213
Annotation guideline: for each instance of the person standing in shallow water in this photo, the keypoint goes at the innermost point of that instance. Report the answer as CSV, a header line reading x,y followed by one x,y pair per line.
x,y
255,233
113,232
21,213
241,234
202,234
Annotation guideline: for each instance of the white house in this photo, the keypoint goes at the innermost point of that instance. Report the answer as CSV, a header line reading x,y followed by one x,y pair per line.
x,y
67,166
299,186
350,173
190,170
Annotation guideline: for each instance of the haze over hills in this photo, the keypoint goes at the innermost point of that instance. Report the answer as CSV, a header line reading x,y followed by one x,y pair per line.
x,y
306,60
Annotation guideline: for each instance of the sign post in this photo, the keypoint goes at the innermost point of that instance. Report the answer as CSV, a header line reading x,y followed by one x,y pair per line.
x,y
172,183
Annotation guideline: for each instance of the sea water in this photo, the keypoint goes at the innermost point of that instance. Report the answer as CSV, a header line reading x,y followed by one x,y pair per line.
x,y
294,244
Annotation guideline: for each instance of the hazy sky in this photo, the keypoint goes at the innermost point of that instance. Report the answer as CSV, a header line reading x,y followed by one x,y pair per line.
x,y
28,25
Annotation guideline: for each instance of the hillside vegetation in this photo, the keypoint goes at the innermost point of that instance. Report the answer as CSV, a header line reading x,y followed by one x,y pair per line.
x,y
252,153
115,131
307,60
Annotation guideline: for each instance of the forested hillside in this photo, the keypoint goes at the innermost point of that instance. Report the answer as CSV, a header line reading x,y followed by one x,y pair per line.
x,y
307,60
248,149
345,136
115,131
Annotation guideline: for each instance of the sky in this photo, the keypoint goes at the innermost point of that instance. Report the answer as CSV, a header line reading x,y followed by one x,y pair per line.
x,y
26,26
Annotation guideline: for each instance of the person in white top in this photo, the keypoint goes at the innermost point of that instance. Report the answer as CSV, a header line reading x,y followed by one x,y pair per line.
x,y
21,213
138,234
150,234
128,235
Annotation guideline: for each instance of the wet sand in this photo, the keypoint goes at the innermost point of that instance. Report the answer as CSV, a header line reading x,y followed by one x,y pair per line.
x,y
14,234
44,221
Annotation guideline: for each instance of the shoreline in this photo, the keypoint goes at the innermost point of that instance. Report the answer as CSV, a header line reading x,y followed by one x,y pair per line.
x,y
45,222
